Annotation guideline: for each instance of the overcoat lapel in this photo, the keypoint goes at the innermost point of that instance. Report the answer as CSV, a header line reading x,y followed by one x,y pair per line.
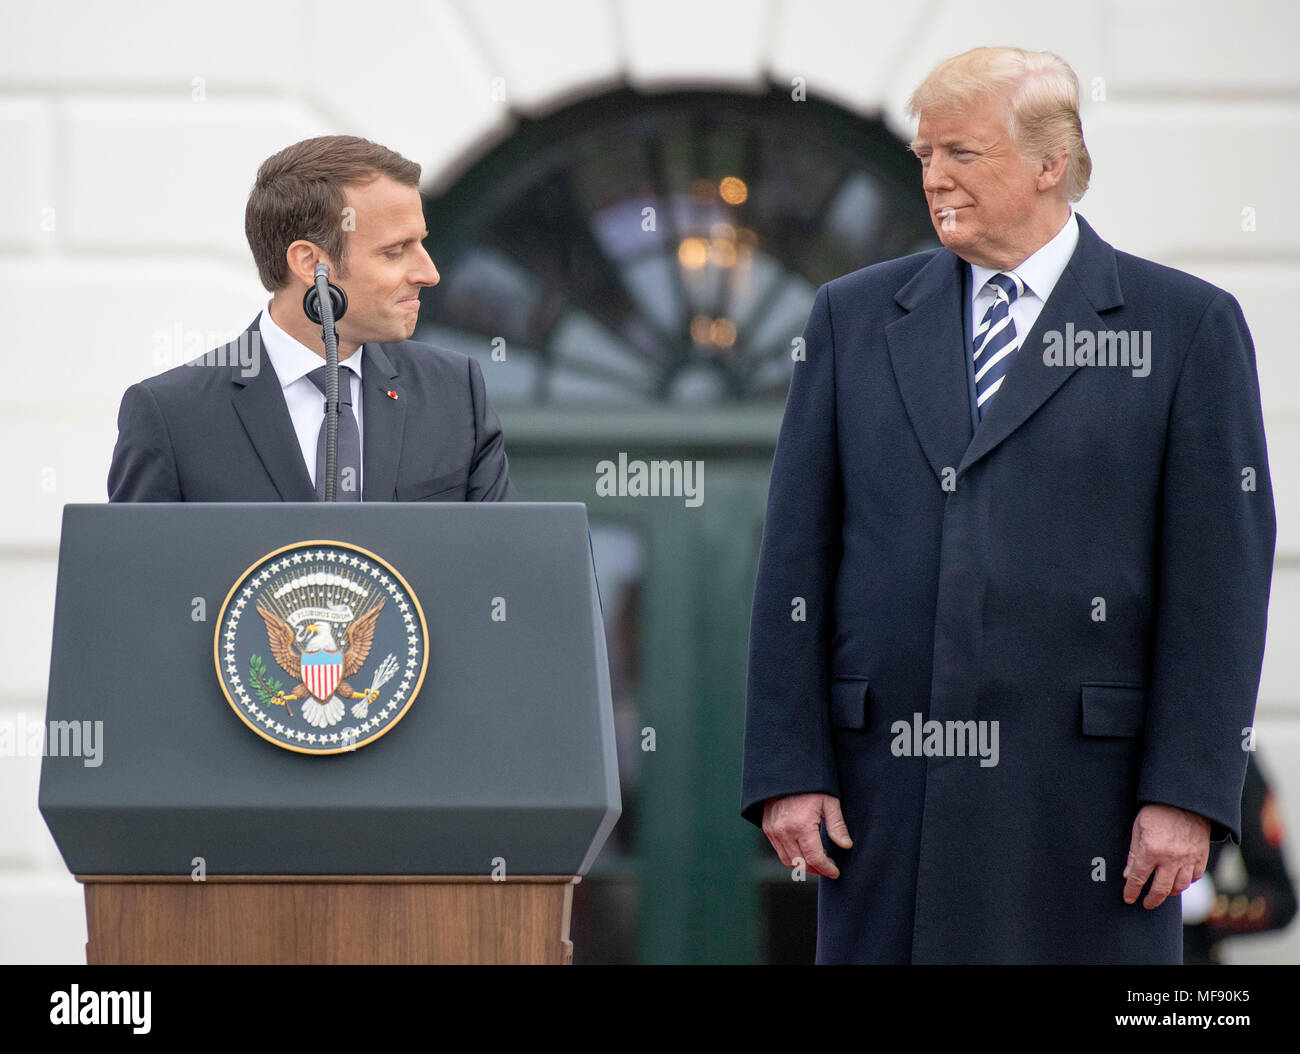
x,y
931,375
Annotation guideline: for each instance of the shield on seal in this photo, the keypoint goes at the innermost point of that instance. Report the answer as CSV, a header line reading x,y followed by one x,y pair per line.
x,y
321,672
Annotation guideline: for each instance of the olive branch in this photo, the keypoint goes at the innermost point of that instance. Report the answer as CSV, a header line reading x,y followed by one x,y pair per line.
x,y
268,689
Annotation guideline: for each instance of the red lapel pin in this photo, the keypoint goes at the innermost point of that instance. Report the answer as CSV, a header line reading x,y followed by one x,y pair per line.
x,y
391,394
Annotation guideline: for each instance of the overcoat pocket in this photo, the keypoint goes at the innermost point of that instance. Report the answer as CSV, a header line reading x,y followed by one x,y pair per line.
x,y
849,702
1113,709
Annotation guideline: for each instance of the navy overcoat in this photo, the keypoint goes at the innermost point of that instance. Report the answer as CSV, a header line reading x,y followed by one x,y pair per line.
x,y
1085,575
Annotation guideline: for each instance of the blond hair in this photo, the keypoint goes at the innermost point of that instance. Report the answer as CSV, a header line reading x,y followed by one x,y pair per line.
x,y
1042,94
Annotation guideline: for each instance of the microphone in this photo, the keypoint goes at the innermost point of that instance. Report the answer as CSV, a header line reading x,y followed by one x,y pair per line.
x,y
326,303
337,298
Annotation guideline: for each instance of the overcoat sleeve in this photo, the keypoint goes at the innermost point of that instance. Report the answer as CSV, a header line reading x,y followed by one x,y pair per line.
x,y
1218,531
787,727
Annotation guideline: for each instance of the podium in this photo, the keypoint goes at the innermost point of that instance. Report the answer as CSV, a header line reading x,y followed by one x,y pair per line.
x,y
328,733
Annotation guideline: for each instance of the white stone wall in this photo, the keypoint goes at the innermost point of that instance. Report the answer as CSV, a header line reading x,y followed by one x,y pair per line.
x,y
132,134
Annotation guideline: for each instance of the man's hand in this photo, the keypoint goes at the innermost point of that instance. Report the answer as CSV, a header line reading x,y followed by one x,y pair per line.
x,y
790,824
1172,842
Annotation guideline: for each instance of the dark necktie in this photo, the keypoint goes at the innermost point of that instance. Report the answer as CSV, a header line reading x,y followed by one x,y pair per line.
x,y
996,339
349,478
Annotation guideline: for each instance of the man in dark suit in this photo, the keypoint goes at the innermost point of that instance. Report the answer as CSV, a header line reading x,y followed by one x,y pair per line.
x,y
1011,603
246,421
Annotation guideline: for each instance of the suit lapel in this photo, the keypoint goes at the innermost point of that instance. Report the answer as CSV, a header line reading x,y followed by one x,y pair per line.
x,y
932,378
259,402
1089,283
384,419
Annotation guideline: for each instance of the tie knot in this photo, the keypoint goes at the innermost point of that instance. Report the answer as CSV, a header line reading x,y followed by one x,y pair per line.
x,y
1007,286
317,377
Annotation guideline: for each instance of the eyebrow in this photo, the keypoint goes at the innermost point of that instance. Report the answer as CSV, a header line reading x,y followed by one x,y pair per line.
x,y
948,141
403,242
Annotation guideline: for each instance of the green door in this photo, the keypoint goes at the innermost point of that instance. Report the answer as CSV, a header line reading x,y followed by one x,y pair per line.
x,y
681,880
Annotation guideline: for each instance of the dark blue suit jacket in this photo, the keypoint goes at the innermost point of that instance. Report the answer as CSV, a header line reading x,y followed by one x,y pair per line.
x,y
206,431
1089,568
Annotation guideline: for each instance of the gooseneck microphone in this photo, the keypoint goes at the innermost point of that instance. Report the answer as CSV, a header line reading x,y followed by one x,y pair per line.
x,y
326,303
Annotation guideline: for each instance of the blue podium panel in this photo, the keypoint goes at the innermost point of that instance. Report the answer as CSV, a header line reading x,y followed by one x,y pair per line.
x,y
498,753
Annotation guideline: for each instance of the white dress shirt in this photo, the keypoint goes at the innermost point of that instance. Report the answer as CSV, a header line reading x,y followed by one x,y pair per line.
x,y
1040,274
292,361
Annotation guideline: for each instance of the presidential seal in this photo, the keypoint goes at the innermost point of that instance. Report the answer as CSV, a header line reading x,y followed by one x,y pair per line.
x,y
321,647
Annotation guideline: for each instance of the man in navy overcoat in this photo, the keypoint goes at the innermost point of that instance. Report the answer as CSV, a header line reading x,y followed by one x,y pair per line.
x,y
1011,604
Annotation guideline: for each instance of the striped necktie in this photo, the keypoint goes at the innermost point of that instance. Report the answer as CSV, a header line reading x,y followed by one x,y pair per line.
x,y
995,341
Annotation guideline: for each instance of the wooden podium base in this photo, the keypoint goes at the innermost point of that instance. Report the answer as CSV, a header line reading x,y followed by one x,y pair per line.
x,y
327,920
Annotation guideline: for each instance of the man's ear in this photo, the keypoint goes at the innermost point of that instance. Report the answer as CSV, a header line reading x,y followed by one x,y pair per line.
x,y
302,257
1051,171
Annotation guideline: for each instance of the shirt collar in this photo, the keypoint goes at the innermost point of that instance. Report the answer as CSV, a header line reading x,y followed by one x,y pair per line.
x,y
1043,270
290,358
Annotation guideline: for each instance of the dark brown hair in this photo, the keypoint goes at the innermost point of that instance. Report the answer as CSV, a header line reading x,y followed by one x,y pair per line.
x,y
299,193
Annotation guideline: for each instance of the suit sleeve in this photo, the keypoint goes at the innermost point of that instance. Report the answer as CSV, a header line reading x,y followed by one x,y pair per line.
x,y
1218,531
489,472
144,467
788,746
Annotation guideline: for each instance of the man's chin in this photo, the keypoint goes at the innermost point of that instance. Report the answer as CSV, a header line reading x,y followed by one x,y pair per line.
x,y
953,238
395,334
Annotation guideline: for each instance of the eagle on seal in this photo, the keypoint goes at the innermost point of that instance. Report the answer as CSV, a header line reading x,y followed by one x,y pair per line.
x,y
317,638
